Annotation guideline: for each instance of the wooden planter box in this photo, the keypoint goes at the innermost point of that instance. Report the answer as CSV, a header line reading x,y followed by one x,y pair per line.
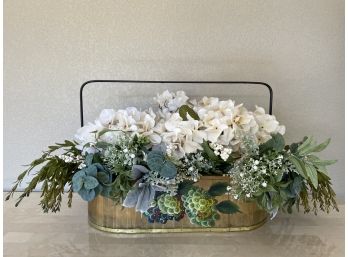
x,y
104,215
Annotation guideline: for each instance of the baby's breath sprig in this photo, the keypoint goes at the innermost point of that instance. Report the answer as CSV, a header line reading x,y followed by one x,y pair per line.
x,y
252,174
195,165
126,152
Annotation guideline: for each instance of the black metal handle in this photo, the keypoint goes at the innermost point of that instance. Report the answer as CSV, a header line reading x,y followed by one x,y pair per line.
x,y
173,82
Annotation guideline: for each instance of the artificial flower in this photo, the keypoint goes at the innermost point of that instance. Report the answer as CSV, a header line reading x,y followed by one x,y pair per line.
x,y
171,102
183,137
267,125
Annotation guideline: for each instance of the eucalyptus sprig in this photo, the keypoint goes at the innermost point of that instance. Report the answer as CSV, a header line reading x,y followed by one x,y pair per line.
x,y
55,175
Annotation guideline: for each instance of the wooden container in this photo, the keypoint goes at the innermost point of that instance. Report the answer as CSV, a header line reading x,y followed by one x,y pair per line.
x,y
104,215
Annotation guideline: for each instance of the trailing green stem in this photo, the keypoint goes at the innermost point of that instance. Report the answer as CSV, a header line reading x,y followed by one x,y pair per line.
x,y
55,174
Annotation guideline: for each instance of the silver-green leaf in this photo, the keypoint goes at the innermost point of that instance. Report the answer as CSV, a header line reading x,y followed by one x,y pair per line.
x,y
299,165
312,174
90,182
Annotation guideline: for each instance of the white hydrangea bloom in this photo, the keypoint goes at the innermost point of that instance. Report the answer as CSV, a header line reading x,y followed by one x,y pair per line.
x,y
182,137
125,120
129,120
244,119
107,117
147,126
87,134
171,102
267,125
220,122
134,121
222,119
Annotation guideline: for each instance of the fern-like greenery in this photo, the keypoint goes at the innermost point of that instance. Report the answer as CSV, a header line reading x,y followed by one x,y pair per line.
x,y
55,174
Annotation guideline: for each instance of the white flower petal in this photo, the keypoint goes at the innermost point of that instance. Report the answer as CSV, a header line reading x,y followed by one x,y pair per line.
x,y
107,116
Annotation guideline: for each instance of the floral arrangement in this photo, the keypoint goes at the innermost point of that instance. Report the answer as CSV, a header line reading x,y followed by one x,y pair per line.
x,y
150,160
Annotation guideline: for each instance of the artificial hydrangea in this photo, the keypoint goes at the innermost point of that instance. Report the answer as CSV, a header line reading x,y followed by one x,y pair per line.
x,y
219,122
170,102
267,124
130,120
182,136
252,174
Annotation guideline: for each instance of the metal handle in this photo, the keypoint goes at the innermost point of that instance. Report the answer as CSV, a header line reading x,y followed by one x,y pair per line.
x,y
174,82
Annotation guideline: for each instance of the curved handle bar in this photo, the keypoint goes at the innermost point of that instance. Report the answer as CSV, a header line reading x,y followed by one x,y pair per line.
x,y
174,82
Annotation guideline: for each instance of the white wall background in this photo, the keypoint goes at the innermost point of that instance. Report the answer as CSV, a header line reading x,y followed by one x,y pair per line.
x,y
51,47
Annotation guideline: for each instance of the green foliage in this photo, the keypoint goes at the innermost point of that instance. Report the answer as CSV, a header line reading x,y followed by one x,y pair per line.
x,y
85,184
248,145
220,165
296,177
281,195
295,186
276,144
218,189
299,165
121,185
106,130
209,152
293,147
253,175
119,159
54,173
103,145
92,180
318,193
312,174
168,170
309,145
306,183
157,161
195,164
307,164
185,109
320,198
128,150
